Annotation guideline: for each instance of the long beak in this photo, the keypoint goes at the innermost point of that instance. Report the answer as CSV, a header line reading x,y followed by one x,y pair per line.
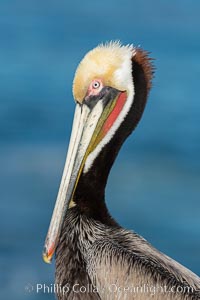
x,y
89,128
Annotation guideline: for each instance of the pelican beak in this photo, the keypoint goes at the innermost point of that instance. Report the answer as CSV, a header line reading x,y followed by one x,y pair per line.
x,y
92,120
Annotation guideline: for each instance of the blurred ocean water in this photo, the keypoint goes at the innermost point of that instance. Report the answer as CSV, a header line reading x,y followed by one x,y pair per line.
x,y
154,187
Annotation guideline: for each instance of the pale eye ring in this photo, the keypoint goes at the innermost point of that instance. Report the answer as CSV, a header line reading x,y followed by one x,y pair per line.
x,y
96,84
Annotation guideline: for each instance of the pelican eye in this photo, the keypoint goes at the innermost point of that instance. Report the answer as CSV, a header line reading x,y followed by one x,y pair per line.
x,y
96,84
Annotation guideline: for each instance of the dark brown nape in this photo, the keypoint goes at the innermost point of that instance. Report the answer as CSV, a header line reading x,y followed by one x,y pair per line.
x,y
142,58
90,191
142,72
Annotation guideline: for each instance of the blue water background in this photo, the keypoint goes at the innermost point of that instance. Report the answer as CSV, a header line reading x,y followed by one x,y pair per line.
x,y
154,186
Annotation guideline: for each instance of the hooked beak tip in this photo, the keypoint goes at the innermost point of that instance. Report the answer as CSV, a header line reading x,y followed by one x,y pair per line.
x,y
47,255
46,258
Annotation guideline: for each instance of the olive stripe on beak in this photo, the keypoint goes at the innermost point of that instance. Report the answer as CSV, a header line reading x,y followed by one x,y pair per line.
x,y
87,132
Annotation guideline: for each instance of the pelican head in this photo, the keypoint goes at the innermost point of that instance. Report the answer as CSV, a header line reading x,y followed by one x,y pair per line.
x,y
110,89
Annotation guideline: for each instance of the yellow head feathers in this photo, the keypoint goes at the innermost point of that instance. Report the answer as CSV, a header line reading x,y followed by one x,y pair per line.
x,y
110,62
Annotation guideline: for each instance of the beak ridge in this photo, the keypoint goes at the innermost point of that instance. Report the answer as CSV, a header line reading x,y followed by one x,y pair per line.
x,y
87,131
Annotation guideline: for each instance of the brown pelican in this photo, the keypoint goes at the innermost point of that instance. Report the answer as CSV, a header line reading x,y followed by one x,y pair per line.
x,y
95,257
